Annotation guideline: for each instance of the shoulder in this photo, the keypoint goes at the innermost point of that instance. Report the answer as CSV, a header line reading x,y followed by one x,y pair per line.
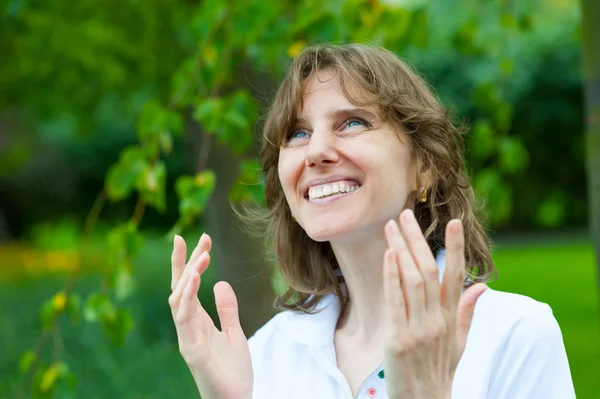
x,y
509,313
515,344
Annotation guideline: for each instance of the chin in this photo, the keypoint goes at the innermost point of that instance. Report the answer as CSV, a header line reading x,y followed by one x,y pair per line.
x,y
321,230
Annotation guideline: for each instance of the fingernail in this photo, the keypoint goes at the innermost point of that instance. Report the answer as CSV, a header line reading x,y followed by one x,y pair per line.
x,y
392,226
201,237
408,215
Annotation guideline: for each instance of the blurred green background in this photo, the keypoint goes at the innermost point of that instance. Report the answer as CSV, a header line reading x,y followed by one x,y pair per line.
x,y
123,122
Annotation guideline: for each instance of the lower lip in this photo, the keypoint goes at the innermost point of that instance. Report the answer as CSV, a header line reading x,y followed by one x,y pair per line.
x,y
331,198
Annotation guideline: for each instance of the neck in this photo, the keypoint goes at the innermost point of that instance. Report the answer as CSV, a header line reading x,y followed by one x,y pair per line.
x,y
361,262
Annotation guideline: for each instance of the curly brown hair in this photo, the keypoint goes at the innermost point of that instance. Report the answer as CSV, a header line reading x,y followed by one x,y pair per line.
x,y
408,103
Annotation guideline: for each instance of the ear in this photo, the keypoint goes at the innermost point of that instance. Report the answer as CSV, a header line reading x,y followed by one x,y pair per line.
x,y
424,174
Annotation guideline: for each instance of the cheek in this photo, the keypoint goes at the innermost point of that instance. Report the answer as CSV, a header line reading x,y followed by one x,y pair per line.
x,y
289,169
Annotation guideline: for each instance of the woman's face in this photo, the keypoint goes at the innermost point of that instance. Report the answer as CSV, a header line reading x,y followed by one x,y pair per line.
x,y
344,171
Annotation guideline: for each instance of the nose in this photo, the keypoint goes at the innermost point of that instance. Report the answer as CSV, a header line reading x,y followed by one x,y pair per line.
x,y
321,149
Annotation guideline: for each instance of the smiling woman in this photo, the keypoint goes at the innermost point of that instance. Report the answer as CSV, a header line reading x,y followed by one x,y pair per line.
x,y
372,219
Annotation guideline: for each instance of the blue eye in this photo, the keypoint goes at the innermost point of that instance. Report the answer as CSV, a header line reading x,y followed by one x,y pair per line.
x,y
296,134
352,122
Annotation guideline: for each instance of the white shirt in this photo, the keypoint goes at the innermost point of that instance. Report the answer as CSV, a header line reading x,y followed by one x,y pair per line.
x,y
514,351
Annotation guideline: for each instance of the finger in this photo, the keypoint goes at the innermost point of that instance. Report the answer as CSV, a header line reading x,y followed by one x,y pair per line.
x,y
190,307
395,305
177,260
454,275
190,293
227,306
200,266
421,253
466,310
411,278
204,245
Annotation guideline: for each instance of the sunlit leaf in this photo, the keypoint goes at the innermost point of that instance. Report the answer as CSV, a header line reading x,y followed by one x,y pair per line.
x,y
27,360
151,184
194,193
59,301
99,307
48,313
122,176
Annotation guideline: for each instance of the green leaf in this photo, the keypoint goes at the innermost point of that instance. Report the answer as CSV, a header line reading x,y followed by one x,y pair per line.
x,y
507,20
208,113
123,282
419,27
551,212
488,184
513,156
487,96
237,125
124,241
194,193
525,22
482,140
99,307
26,361
464,38
151,185
48,313
504,113
156,119
117,329
122,176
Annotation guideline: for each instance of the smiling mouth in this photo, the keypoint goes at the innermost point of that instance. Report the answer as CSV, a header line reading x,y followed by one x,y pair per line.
x,y
331,189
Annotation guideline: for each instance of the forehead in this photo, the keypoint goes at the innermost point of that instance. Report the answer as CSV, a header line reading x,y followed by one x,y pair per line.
x,y
326,90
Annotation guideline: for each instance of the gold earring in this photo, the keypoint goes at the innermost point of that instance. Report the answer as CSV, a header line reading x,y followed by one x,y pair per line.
x,y
422,195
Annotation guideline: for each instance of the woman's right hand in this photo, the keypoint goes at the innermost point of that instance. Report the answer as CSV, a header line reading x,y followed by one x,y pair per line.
x,y
219,360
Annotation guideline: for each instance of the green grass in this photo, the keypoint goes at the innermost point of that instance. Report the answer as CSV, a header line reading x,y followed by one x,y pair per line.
x,y
563,276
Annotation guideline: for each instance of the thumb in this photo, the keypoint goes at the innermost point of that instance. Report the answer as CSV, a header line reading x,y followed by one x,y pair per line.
x,y
227,306
466,309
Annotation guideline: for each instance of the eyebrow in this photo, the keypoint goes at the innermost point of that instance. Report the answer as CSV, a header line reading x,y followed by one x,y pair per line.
x,y
344,112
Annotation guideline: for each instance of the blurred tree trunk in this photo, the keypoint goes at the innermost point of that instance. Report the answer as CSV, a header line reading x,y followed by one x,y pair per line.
x,y
590,11
240,258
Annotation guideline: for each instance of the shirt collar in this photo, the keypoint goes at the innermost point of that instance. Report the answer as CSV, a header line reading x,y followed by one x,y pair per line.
x,y
317,330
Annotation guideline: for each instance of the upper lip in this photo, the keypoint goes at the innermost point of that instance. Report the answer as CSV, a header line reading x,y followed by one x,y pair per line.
x,y
324,180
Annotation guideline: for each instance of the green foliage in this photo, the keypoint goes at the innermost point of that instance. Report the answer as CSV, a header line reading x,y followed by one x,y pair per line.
x,y
194,193
123,176
99,307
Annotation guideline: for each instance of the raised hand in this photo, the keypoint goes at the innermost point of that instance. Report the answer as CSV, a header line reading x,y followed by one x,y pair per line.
x,y
427,322
219,360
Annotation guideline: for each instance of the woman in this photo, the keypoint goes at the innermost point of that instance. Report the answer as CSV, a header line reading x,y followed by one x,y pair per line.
x,y
372,220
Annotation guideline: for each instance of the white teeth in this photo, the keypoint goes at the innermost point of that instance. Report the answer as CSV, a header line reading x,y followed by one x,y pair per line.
x,y
330,189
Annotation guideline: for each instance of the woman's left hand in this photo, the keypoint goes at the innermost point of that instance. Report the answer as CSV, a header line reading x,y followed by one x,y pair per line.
x,y
426,323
